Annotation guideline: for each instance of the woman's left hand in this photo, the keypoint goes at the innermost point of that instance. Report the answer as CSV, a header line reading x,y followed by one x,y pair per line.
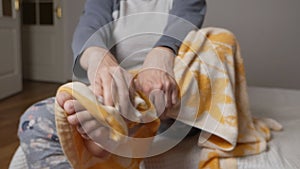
x,y
158,75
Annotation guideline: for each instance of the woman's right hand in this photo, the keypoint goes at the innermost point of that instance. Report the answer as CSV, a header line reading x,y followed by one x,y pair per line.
x,y
98,63
109,80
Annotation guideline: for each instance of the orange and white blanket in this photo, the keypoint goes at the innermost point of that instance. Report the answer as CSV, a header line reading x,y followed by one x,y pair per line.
x,y
210,73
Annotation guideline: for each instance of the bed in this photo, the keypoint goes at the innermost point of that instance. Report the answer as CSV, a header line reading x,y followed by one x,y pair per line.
x,y
284,106
284,153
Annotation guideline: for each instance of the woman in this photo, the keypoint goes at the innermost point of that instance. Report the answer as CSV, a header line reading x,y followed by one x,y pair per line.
x,y
112,33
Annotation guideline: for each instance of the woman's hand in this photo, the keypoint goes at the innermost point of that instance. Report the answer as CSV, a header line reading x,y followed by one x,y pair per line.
x,y
157,78
98,62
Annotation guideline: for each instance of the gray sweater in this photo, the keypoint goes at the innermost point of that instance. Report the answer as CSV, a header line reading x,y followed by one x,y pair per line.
x,y
98,13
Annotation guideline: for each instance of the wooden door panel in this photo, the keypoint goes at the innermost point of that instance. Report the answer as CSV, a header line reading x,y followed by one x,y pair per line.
x,y
42,54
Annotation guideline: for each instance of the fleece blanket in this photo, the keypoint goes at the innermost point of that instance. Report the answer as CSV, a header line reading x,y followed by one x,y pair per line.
x,y
210,74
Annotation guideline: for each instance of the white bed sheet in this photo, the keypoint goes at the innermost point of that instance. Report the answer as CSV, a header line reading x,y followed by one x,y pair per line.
x,y
284,148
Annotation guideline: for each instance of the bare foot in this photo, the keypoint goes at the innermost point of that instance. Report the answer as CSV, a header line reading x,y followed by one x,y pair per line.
x,y
72,107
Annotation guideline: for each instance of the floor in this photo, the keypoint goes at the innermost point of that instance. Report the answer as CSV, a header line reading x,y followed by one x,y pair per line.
x,y
12,108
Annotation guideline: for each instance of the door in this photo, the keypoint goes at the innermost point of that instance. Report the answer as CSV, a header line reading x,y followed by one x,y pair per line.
x,y
10,50
42,40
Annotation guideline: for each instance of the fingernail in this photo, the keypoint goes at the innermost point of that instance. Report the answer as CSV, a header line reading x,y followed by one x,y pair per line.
x,y
69,107
71,119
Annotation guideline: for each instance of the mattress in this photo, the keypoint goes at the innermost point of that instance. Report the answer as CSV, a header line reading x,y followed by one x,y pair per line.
x,y
283,152
284,149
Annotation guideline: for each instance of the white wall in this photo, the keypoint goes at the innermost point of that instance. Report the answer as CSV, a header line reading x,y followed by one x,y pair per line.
x,y
269,34
71,13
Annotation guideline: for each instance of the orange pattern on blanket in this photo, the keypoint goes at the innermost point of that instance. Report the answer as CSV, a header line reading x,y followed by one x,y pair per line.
x,y
208,65
225,101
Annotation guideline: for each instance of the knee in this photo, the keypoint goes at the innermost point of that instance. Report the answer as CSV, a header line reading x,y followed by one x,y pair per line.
x,y
220,35
30,121
26,122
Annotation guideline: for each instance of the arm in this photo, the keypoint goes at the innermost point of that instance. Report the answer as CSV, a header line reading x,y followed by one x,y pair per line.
x,y
96,14
192,11
186,15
